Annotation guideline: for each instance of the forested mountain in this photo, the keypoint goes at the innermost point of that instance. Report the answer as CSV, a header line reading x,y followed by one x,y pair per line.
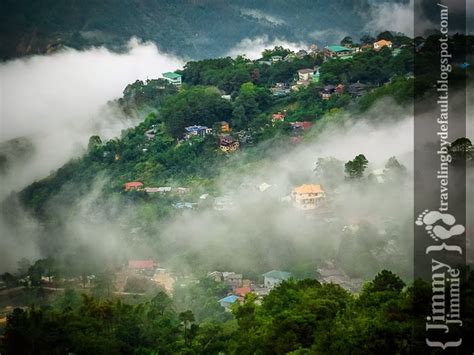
x,y
189,28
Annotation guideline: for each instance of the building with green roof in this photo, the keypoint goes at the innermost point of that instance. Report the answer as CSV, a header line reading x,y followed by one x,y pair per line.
x,y
336,51
173,78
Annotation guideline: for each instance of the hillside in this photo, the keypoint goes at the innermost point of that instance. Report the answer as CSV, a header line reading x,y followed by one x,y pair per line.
x,y
206,28
266,125
256,209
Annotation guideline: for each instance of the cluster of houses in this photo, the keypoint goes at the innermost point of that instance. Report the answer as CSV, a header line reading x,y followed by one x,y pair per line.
x,y
240,287
326,274
307,75
305,197
139,186
227,142
151,270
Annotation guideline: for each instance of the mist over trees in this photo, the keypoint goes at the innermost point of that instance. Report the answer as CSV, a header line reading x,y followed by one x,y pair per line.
x,y
88,224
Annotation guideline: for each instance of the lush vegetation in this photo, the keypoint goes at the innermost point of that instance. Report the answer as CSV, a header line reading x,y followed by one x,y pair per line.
x,y
298,317
160,160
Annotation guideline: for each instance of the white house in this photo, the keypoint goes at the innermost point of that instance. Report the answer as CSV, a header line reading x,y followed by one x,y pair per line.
x,y
275,277
173,78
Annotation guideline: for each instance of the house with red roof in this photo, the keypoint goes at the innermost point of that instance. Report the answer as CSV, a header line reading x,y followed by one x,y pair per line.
x,y
278,117
303,126
242,291
133,185
141,265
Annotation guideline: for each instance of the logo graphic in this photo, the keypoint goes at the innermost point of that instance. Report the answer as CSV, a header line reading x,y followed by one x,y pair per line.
x,y
431,220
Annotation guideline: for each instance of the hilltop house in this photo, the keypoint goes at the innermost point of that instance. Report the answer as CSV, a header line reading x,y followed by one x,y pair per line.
x,y
196,131
150,134
224,127
340,89
232,279
273,278
228,144
276,58
305,74
327,92
278,117
173,78
242,291
307,196
304,78
299,126
382,43
141,265
338,52
133,185
280,89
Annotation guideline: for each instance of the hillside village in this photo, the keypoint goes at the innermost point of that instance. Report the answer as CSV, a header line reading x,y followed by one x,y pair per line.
x,y
194,164
281,97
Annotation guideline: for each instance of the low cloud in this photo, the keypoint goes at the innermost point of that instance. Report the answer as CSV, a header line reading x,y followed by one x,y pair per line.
x,y
328,37
58,101
392,17
263,17
253,47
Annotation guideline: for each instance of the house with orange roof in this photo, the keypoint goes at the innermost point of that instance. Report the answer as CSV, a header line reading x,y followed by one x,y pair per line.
x,y
141,264
308,196
224,127
242,291
382,43
278,117
133,185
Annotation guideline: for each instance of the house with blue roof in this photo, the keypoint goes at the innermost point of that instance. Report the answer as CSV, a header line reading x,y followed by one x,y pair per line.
x,y
273,278
199,131
228,301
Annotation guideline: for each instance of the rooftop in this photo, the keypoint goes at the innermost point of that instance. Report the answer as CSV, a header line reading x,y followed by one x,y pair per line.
x,y
171,75
338,49
308,188
229,299
306,71
195,128
383,42
133,184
